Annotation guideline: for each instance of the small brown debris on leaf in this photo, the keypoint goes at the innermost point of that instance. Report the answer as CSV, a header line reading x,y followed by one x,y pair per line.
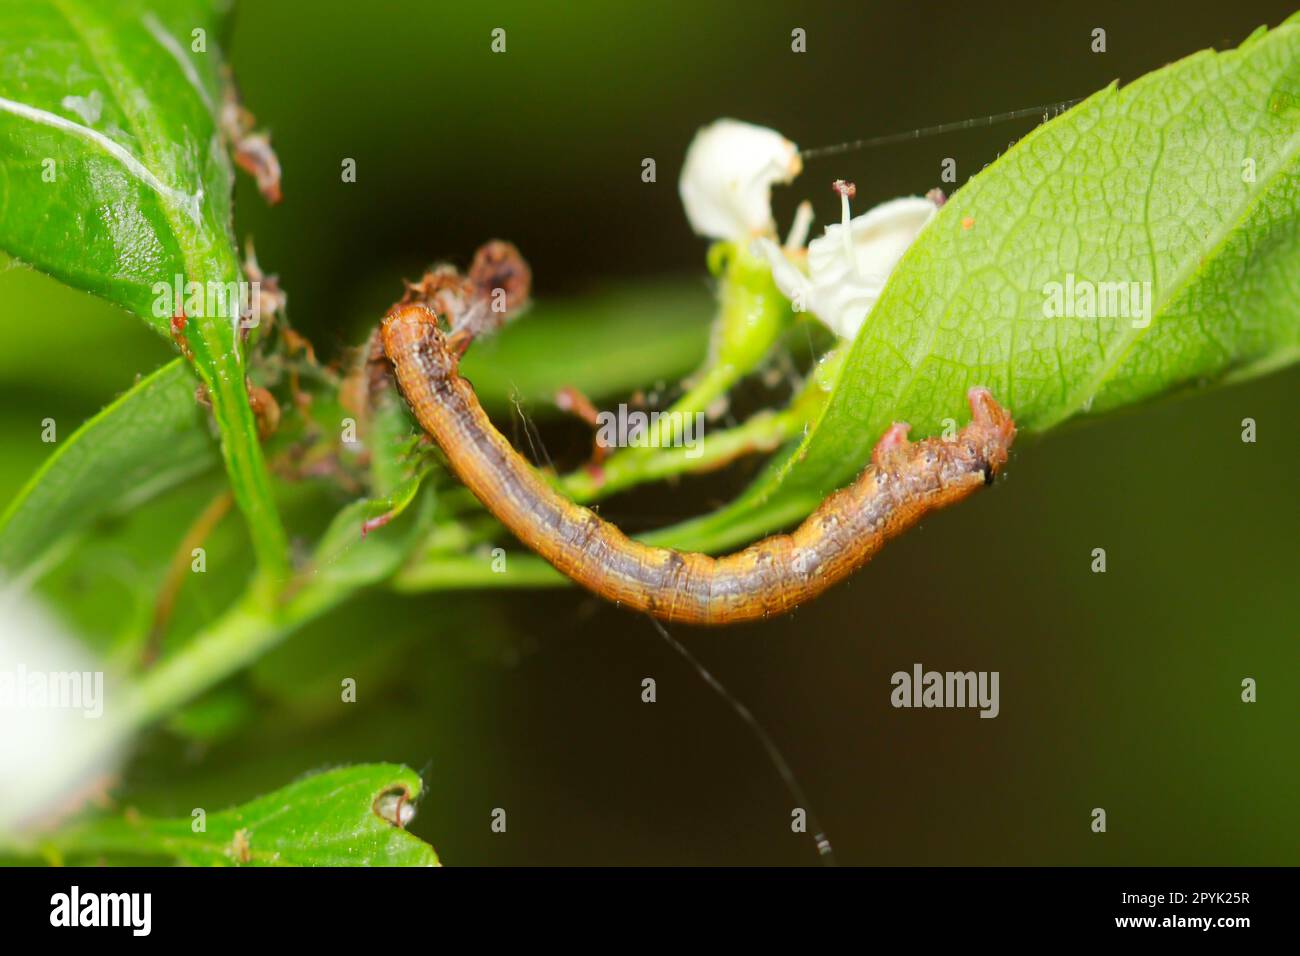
x,y
178,324
270,300
240,848
254,155
251,150
265,409
499,265
377,522
442,288
495,290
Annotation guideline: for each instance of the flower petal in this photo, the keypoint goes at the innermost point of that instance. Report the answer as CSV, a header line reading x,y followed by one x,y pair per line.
x,y
846,285
880,237
726,182
794,285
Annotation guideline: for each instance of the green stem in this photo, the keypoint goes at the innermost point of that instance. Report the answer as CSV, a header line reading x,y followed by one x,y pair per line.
x,y
234,640
462,572
749,323
764,432
218,361
752,313
237,638
208,255
441,570
242,635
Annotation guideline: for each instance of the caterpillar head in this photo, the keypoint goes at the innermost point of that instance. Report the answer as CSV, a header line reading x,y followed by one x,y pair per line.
x,y
411,336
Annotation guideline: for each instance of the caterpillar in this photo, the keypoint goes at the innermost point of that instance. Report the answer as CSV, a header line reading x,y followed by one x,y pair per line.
x,y
903,482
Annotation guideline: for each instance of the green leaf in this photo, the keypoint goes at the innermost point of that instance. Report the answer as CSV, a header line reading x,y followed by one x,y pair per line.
x,y
357,549
1188,179
341,817
150,438
603,345
113,178
57,339
108,170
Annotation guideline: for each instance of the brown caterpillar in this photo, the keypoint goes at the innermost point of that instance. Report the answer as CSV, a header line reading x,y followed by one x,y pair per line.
x,y
904,482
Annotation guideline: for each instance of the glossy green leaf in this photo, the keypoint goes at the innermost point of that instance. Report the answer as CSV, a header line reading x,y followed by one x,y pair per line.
x,y
1184,186
108,170
152,437
343,817
114,178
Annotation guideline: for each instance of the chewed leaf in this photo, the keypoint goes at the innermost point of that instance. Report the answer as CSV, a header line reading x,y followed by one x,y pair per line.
x,y
1146,241
353,816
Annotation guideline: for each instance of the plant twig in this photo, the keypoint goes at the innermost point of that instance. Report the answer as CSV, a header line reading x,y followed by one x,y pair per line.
x,y
198,532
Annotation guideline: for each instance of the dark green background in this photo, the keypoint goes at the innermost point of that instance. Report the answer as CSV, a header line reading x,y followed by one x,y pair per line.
x,y
1118,690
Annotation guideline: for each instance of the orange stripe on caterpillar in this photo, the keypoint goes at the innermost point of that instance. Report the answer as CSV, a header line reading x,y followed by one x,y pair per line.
x,y
904,482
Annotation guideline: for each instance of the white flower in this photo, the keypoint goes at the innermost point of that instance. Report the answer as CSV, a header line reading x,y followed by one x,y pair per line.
x,y
726,182
849,264
56,714
726,187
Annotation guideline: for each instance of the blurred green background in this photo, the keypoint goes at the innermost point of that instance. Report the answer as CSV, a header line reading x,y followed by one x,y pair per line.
x,y
1118,690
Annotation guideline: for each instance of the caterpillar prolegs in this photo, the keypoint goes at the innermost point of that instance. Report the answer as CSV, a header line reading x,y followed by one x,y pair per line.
x,y
903,482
